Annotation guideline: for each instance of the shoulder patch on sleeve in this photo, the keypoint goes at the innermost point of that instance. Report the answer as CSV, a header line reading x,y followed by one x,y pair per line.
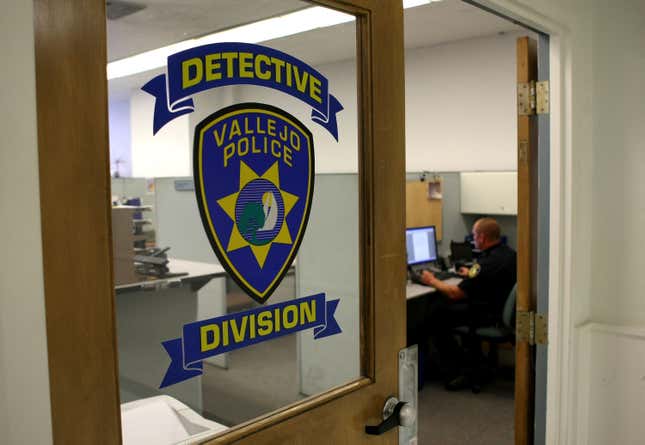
x,y
474,270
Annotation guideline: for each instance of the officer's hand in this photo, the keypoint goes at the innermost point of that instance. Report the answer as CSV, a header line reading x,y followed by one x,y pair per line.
x,y
428,277
463,271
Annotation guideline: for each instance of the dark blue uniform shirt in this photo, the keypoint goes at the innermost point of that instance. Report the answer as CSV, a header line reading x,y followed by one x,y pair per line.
x,y
492,283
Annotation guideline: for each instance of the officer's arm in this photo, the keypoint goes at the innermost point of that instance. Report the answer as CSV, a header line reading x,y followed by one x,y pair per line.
x,y
452,291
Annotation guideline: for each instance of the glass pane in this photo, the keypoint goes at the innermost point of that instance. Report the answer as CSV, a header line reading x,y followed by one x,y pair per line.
x,y
235,206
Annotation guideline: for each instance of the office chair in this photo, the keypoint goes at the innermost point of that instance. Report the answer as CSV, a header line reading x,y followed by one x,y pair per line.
x,y
495,335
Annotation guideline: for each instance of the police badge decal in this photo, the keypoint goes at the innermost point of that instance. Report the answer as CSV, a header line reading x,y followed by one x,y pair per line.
x,y
254,181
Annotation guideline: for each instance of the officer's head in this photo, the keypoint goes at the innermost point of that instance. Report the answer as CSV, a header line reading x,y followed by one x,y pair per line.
x,y
486,233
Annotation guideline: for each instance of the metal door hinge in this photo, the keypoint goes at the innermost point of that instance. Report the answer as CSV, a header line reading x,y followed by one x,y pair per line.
x,y
525,98
542,97
532,328
532,98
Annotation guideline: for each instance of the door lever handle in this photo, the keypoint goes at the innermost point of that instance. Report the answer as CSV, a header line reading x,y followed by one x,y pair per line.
x,y
395,413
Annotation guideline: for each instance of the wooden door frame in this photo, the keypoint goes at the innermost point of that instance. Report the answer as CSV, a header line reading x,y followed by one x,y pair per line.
x,y
561,401
71,87
73,156
526,243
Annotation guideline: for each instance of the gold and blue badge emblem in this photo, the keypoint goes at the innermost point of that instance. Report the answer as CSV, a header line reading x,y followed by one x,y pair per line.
x,y
254,180
474,270
253,168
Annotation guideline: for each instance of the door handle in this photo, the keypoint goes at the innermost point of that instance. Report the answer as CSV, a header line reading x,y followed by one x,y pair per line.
x,y
395,413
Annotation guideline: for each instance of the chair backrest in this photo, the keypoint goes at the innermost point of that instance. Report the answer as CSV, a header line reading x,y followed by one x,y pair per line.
x,y
509,308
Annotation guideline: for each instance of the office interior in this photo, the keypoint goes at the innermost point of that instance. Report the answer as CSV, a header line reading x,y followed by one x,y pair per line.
x,y
596,349
460,149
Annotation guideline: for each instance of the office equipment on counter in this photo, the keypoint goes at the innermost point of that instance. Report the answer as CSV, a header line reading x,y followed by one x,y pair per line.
x,y
461,254
461,251
125,236
153,262
421,246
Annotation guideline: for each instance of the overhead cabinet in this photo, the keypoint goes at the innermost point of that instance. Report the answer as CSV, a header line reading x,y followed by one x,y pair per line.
x,y
489,193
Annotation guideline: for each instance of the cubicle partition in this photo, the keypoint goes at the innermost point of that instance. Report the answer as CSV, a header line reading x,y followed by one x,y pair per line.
x,y
180,228
178,224
332,232
456,223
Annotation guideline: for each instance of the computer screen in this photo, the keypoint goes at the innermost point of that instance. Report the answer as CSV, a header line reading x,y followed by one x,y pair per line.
x,y
461,251
421,244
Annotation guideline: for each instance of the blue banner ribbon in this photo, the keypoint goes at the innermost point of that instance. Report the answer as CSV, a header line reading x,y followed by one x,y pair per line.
x,y
220,64
208,338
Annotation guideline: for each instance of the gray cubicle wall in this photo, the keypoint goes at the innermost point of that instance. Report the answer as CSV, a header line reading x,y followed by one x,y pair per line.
x,y
179,227
457,225
178,222
130,187
328,261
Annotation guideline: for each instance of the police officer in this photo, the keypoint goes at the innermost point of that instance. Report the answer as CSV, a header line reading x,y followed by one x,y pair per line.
x,y
477,300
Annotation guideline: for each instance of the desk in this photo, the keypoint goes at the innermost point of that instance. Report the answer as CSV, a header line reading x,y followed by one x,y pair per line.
x,y
196,275
414,290
151,311
417,296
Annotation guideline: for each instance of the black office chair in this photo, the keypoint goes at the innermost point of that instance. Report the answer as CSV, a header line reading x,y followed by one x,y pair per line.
x,y
495,335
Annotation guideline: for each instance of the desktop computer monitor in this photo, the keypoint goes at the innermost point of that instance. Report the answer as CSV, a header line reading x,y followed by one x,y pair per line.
x,y
421,244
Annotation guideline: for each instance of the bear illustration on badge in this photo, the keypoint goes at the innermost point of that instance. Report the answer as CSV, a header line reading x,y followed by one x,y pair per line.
x,y
254,181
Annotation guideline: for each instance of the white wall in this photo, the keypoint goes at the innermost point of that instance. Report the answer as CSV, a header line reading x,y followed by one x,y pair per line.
x,y
612,341
120,149
168,153
594,379
613,388
24,378
619,163
460,106
331,156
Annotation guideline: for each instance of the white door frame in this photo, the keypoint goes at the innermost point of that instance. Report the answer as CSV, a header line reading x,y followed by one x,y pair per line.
x,y
562,414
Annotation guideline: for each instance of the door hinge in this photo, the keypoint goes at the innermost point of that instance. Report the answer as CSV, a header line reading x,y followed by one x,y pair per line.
x,y
542,96
532,328
526,98
533,98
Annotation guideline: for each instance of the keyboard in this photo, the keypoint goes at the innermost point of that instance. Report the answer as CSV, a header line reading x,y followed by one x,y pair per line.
x,y
415,276
444,275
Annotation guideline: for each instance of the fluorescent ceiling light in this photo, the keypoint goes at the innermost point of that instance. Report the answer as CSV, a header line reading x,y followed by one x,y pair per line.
x,y
412,3
260,31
